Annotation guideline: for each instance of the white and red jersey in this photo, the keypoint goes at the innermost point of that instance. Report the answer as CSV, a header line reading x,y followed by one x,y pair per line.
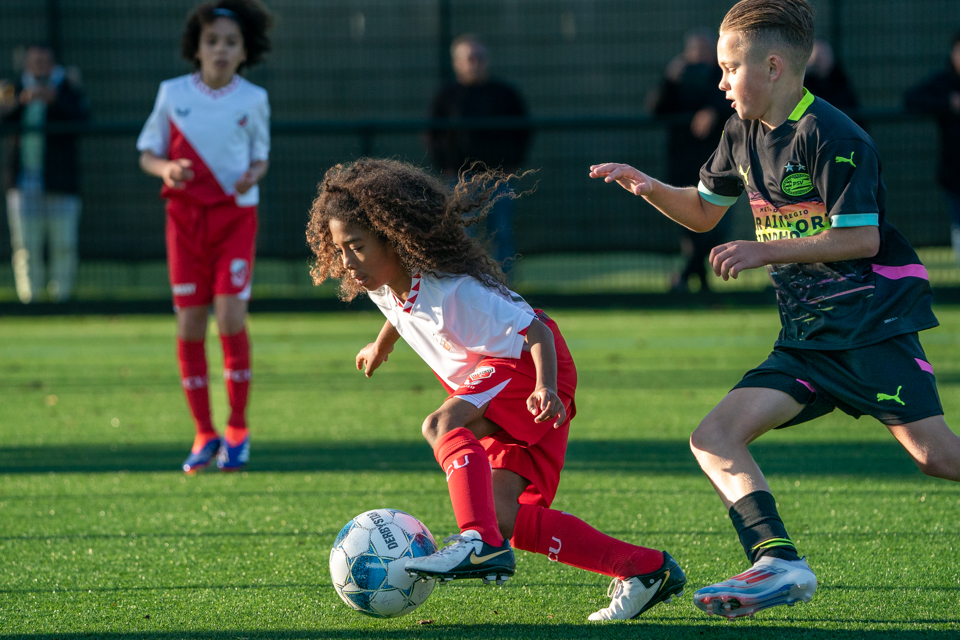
x,y
454,322
221,131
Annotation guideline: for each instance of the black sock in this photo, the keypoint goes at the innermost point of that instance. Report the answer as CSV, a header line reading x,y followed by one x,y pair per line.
x,y
760,528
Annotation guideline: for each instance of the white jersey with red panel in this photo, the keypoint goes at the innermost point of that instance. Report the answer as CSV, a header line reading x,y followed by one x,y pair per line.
x,y
454,322
221,131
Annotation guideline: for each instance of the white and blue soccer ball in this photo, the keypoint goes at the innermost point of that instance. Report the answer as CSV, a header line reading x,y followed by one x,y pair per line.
x,y
369,558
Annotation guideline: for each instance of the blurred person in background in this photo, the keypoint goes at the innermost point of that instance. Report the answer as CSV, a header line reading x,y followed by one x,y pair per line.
x,y
475,94
689,92
208,139
825,78
939,96
41,175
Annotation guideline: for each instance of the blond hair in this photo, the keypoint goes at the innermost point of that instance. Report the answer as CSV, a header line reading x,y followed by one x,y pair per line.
x,y
785,26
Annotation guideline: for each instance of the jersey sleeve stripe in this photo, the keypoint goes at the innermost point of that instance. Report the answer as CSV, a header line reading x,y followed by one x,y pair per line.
x,y
906,271
715,198
855,220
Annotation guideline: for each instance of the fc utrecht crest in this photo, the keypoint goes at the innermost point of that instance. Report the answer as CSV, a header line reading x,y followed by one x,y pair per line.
x,y
239,270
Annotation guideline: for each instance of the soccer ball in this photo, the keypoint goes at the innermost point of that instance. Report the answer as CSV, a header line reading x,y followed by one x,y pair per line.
x,y
369,558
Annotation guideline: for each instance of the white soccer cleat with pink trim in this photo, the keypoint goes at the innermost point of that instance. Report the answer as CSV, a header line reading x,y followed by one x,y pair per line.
x,y
770,582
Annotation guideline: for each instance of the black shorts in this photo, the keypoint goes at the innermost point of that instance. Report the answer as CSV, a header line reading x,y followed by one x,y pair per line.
x,y
891,381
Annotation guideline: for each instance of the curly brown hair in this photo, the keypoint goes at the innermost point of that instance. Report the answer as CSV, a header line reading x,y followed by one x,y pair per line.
x,y
251,15
422,219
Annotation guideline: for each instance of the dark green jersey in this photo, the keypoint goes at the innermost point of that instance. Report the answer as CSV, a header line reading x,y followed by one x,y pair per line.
x,y
816,171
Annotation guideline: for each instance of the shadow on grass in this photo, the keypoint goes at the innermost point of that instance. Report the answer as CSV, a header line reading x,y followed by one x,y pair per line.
x,y
653,457
393,630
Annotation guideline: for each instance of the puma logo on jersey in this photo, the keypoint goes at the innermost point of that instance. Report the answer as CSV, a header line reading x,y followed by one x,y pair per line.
x,y
183,113
746,179
456,465
896,398
847,160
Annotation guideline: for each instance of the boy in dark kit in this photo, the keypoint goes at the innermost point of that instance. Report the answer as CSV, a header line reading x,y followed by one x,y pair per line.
x,y
852,292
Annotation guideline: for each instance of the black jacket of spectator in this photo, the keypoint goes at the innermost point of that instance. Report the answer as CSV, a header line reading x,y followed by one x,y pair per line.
x,y
451,148
835,89
932,97
697,89
60,160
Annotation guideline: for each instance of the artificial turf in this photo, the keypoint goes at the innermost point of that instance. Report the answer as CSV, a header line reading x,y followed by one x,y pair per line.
x,y
103,537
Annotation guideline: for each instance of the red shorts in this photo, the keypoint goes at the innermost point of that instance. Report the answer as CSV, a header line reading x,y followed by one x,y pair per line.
x,y
209,251
535,451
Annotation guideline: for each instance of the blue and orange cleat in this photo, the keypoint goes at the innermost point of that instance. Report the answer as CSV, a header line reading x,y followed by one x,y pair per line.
x,y
769,583
234,458
202,457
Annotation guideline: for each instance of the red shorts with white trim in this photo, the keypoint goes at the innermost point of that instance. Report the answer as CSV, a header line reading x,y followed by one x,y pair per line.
x,y
533,450
210,251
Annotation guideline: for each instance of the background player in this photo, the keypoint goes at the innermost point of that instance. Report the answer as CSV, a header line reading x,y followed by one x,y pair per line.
x,y
208,138
397,233
852,292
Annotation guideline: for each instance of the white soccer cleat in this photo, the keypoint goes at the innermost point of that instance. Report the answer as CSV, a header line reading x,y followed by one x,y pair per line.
x,y
768,583
467,557
633,596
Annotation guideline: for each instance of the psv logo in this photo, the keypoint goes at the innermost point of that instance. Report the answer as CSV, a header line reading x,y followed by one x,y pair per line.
x,y
481,373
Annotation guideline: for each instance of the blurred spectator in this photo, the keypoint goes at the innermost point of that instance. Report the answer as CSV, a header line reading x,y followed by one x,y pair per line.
x,y
825,78
939,95
690,94
474,94
41,175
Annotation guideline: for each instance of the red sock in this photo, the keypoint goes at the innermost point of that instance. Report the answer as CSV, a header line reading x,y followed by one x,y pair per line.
x,y
193,377
236,373
470,483
568,539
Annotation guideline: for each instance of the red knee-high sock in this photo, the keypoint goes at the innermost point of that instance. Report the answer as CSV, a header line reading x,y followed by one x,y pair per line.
x,y
568,539
236,373
470,483
193,377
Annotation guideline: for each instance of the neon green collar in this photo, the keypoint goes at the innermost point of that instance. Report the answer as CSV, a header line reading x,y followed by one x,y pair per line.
x,y
801,107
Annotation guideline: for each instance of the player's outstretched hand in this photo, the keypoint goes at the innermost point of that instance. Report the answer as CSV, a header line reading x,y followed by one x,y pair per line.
x,y
546,404
732,258
371,357
177,172
634,181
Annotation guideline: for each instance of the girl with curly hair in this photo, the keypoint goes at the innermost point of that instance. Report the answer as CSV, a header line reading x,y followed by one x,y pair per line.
x,y
397,233
208,139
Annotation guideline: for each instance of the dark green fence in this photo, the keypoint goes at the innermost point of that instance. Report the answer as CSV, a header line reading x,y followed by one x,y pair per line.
x,y
351,78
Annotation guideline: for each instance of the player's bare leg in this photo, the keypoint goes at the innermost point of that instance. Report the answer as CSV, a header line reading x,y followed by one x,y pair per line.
x,y
231,314
779,575
192,323
479,550
932,445
720,442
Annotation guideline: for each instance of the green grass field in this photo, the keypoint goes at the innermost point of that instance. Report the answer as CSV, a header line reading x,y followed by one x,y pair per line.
x,y
103,536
